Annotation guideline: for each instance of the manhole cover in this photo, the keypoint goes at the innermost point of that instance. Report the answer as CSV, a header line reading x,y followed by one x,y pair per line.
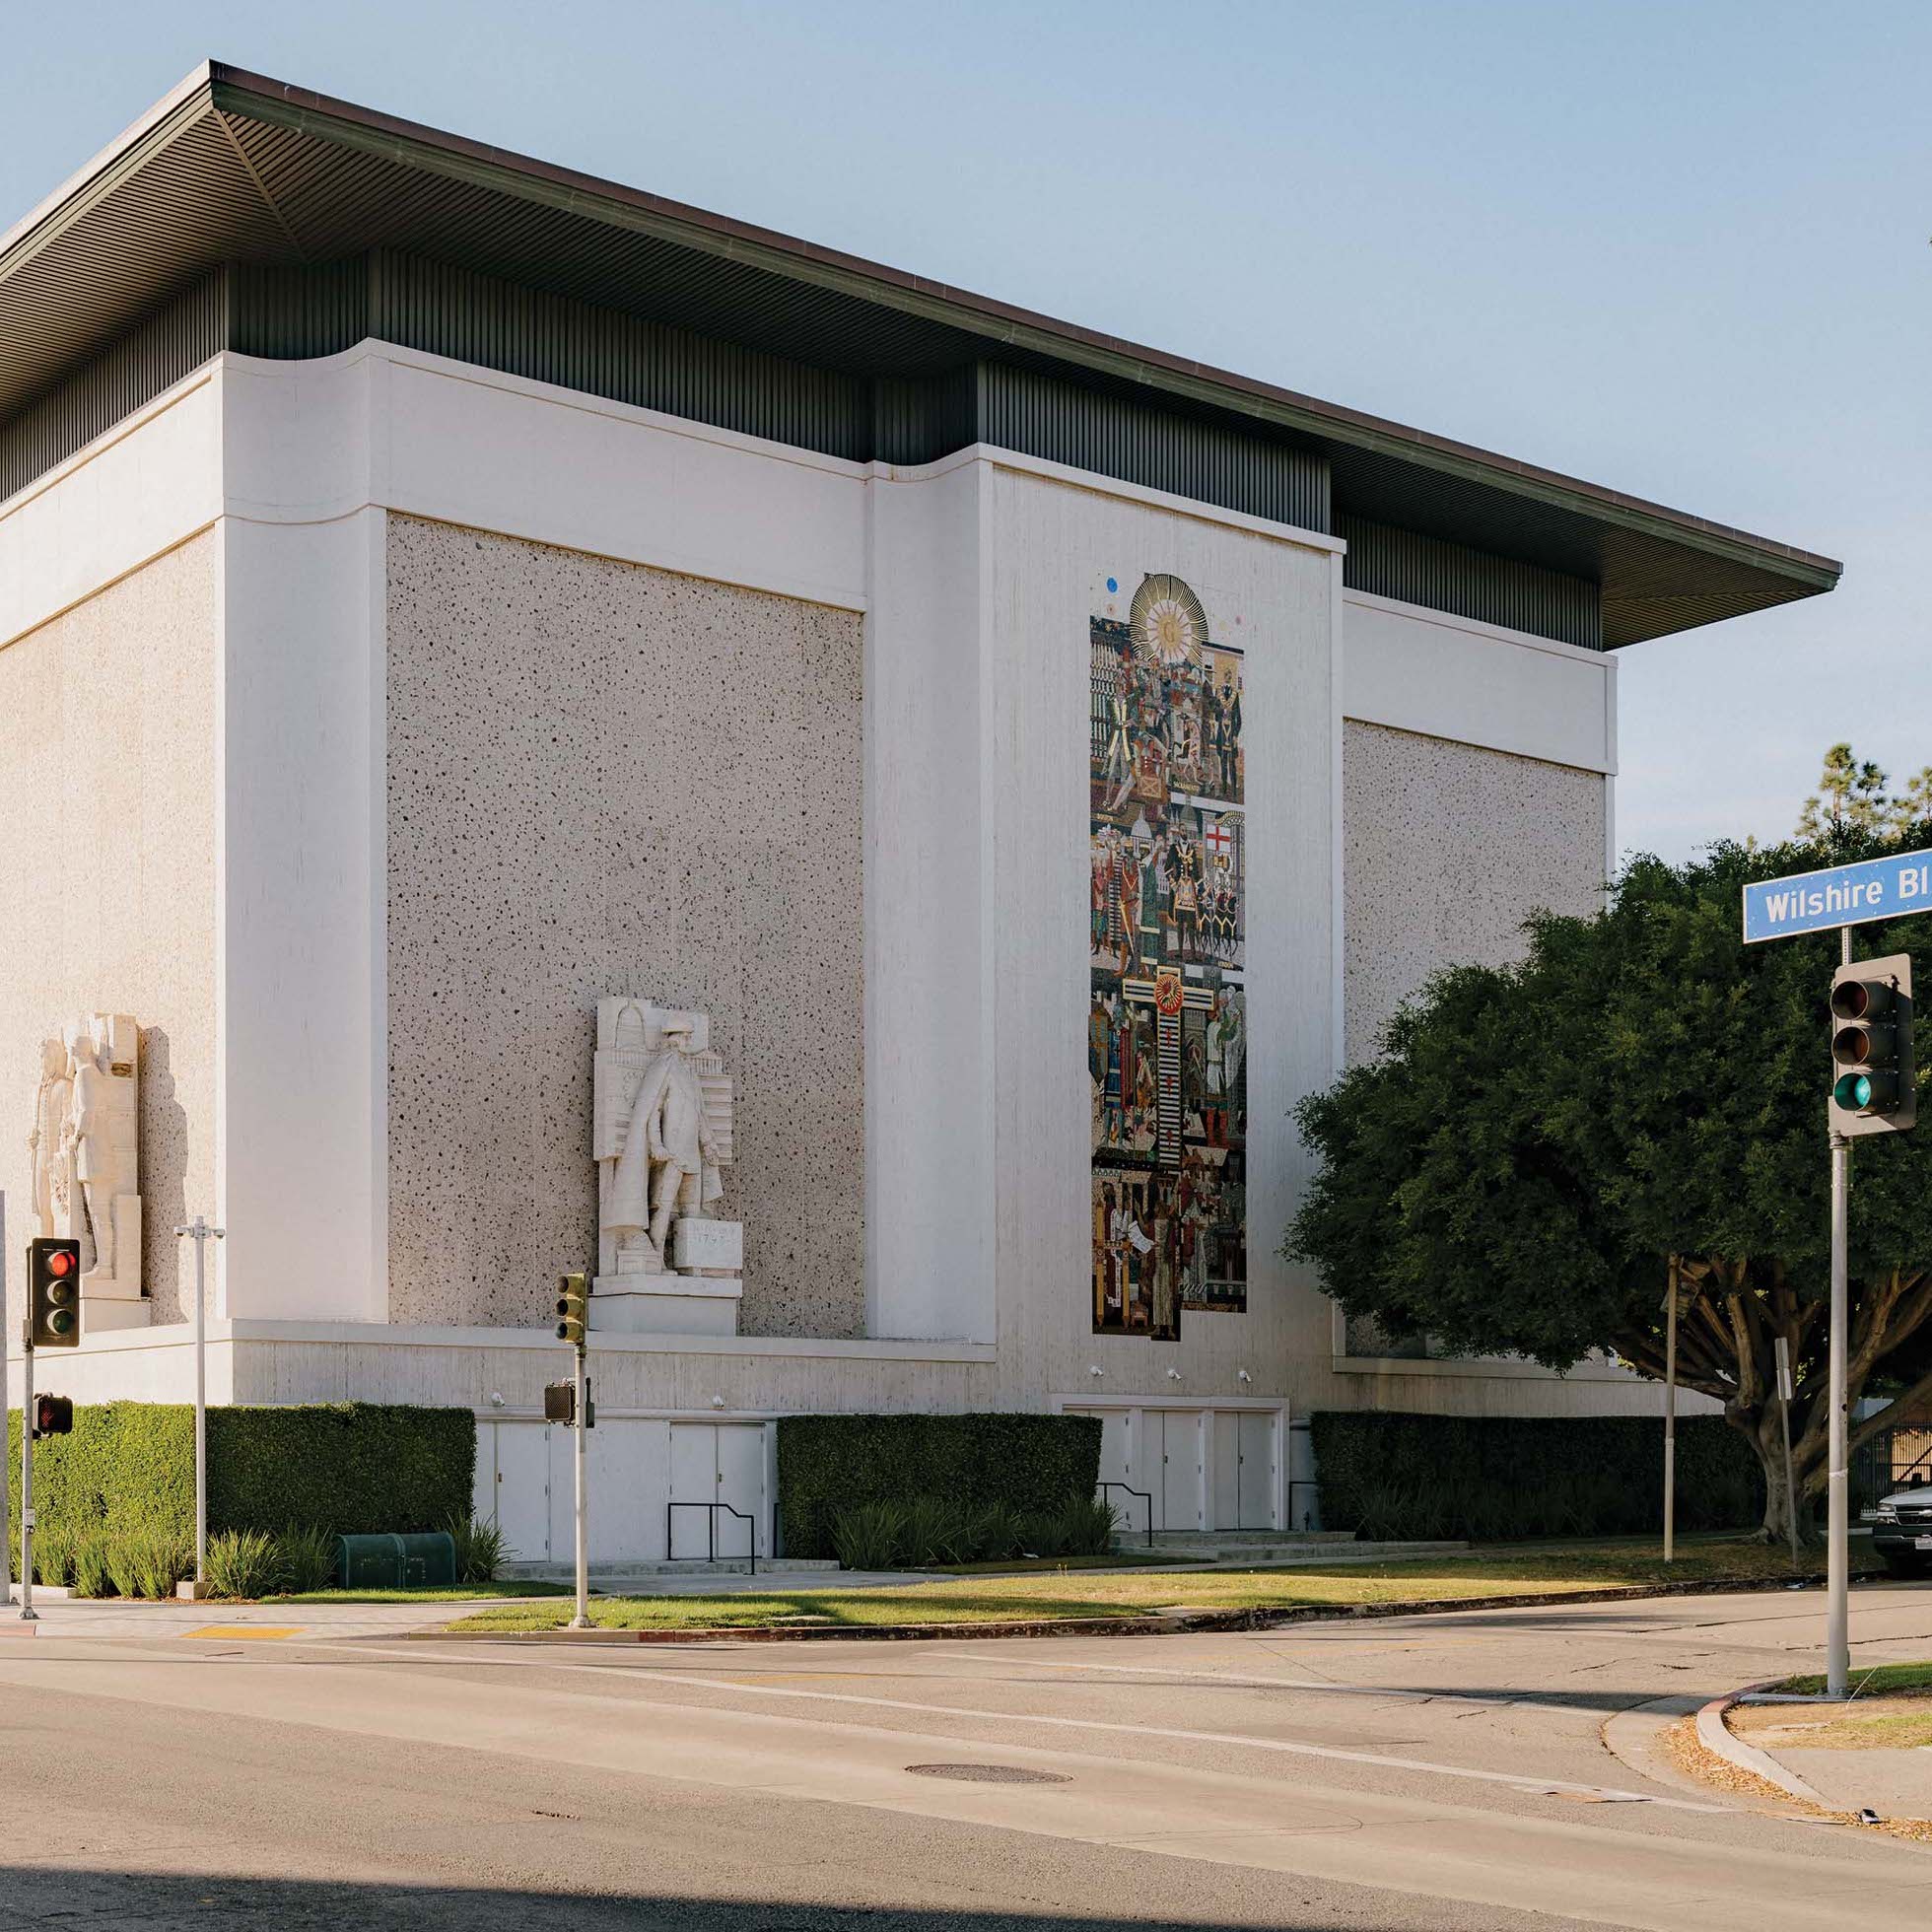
x,y
988,1773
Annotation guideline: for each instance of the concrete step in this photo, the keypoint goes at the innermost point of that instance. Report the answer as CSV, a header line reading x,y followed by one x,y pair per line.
x,y
1232,1539
603,1574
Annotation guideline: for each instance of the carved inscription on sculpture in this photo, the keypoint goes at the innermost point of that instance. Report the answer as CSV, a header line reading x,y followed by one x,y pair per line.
x,y
85,1149
660,1136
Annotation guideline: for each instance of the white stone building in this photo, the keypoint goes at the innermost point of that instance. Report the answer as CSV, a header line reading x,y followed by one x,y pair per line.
x,y
438,590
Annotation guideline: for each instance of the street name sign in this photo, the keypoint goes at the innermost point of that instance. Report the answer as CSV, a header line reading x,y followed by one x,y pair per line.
x,y
1839,895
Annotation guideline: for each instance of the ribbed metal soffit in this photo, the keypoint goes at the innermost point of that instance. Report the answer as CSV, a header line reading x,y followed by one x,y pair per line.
x,y
239,169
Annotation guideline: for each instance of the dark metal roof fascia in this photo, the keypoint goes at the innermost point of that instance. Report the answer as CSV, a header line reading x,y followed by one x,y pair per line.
x,y
183,103
236,91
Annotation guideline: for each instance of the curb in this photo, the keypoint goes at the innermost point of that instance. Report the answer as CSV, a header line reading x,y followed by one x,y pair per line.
x,y
1166,1624
1720,1740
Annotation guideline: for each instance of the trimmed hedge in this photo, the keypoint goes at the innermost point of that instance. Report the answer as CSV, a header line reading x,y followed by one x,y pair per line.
x,y
350,1467
1491,1478
826,1464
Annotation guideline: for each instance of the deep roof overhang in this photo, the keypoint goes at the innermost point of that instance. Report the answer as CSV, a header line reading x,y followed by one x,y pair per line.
x,y
234,166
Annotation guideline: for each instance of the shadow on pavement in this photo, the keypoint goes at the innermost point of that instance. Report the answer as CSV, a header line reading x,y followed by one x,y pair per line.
x,y
46,1895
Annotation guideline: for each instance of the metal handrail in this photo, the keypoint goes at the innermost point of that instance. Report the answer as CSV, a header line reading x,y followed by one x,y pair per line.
x,y
1144,1497
711,1510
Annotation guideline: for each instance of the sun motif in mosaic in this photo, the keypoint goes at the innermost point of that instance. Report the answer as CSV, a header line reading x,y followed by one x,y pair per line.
x,y
1168,623
1167,1013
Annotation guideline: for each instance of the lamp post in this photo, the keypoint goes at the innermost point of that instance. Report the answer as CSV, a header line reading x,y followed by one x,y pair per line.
x,y
201,1233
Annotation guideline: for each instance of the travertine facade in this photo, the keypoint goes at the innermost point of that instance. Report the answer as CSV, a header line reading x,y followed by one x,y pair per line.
x,y
107,738
602,778
1448,849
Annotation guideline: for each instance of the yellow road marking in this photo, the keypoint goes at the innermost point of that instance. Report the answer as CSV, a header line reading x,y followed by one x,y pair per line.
x,y
261,1631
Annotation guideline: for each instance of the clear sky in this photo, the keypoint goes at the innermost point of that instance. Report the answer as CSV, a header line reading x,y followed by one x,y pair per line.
x,y
1678,246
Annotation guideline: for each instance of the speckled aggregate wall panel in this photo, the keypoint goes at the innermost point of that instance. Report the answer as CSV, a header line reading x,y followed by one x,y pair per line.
x,y
107,828
1447,849
604,778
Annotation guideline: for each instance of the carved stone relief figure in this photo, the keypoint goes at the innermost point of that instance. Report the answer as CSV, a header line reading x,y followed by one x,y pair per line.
x,y
661,1133
85,1146
46,1141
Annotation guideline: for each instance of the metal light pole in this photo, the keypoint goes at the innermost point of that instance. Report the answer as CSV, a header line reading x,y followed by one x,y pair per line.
x,y
201,1232
1670,1417
1838,1493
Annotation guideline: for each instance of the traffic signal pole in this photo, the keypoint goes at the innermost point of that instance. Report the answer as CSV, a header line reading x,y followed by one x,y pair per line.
x,y
6,1581
1873,1090
26,1611
582,1620
573,1327
1837,1493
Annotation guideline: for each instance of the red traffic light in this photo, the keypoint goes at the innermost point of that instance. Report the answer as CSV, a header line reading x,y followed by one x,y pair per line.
x,y
53,1416
63,1260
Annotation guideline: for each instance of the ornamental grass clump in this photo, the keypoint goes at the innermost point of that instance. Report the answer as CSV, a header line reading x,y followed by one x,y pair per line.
x,y
243,1565
870,1536
146,1562
480,1548
307,1559
93,1566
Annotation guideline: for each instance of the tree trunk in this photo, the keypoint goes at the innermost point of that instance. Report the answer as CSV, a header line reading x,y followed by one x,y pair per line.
x,y
1762,1429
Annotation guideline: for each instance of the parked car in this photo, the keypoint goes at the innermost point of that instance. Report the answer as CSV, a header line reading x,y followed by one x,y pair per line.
x,y
1902,1531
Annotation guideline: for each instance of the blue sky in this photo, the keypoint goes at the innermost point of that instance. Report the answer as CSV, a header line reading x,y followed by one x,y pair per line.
x,y
1679,249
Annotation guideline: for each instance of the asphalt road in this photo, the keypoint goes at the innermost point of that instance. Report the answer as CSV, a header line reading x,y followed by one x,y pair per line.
x,y
1445,1772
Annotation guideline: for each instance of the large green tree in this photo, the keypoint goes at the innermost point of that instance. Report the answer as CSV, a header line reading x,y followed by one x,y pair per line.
x,y
1538,1146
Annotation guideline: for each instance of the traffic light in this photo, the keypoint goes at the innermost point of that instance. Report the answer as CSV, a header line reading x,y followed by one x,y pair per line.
x,y
1874,1079
572,1308
53,1416
53,1292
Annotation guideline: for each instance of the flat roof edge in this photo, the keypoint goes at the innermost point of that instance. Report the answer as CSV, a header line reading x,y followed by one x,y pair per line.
x,y
258,95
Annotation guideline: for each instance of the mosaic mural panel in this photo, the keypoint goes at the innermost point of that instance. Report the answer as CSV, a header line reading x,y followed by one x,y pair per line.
x,y
1167,1017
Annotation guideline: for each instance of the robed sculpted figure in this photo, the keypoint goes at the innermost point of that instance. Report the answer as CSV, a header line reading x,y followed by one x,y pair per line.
x,y
84,1146
662,1132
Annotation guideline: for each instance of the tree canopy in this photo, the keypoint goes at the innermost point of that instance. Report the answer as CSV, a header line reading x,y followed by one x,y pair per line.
x,y
1536,1143
1854,795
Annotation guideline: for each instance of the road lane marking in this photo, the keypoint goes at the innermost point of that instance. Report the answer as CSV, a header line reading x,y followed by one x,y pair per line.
x,y
1285,1746
269,1632
1243,1683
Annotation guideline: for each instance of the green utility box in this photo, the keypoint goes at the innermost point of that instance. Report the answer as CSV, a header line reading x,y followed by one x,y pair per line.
x,y
395,1562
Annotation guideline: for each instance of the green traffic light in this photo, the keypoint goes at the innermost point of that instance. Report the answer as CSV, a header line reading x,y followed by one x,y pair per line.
x,y
1853,1091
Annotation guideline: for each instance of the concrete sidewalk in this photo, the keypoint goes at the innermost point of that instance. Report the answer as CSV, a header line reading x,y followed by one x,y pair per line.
x,y
1896,1782
116,1617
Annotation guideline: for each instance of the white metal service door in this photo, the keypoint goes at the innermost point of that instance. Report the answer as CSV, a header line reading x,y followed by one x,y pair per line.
x,y
1258,1486
1145,1467
741,1483
1181,1470
1226,1513
694,1479
522,1487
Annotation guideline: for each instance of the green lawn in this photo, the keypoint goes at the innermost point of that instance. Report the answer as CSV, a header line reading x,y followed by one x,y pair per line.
x,y
1542,1569
1887,1680
1052,1565
459,1593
